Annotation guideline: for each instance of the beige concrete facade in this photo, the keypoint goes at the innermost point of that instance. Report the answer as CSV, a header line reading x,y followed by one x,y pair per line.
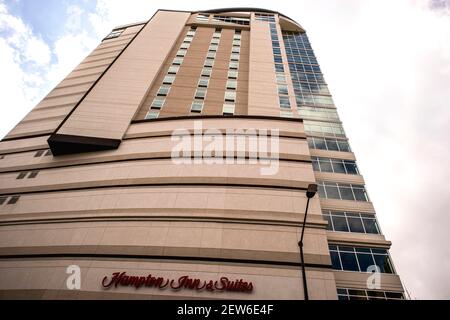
x,y
88,179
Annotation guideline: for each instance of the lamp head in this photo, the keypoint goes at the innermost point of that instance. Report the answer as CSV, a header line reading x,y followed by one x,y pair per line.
x,y
312,190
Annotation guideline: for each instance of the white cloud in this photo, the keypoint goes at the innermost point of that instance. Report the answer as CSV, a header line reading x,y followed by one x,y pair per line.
x,y
28,72
24,57
37,51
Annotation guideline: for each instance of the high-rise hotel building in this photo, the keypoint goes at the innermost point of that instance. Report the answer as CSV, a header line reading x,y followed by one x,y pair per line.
x,y
93,205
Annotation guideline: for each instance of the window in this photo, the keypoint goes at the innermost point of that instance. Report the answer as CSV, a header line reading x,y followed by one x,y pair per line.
x,y
21,175
236,42
114,34
211,55
359,259
206,72
48,153
278,59
173,69
2,157
3,200
213,47
200,93
283,89
203,83
284,102
202,17
235,20
232,74
190,33
185,45
281,78
197,107
158,103
351,222
152,114
217,35
236,50
37,154
237,37
234,57
342,191
324,128
169,79
311,112
362,294
329,144
234,65
163,91
208,63
264,17
231,84
215,41
181,53
279,67
13,200
286,114
228,109
230,96
177,61
334,165
33,174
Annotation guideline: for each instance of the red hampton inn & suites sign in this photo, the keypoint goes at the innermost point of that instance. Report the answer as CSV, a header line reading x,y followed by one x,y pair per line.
x,y
121,279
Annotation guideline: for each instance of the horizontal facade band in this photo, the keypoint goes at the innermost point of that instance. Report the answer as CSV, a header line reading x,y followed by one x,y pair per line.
x,y
358,280
156,148
167,238
347,205
288,174
49,166
155,202
199,184
162,258
199,117
358,239
313,222
333,154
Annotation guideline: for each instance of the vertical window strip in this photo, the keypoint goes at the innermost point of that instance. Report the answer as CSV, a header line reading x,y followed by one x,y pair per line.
x,y
283,94
231,87
159,101
198,103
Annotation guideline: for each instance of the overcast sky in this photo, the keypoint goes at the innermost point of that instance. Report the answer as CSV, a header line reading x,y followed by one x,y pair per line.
x,y
388,67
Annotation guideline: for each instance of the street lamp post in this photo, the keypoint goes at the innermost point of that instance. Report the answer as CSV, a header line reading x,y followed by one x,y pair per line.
x,y
310,193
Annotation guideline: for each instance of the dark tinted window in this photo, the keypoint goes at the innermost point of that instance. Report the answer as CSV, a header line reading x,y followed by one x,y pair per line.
x,y
346,193
349,261
370,225
332,145
340,224
365,261
332,192
338,167
360,194
335,261
355,225
382,261
343,146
